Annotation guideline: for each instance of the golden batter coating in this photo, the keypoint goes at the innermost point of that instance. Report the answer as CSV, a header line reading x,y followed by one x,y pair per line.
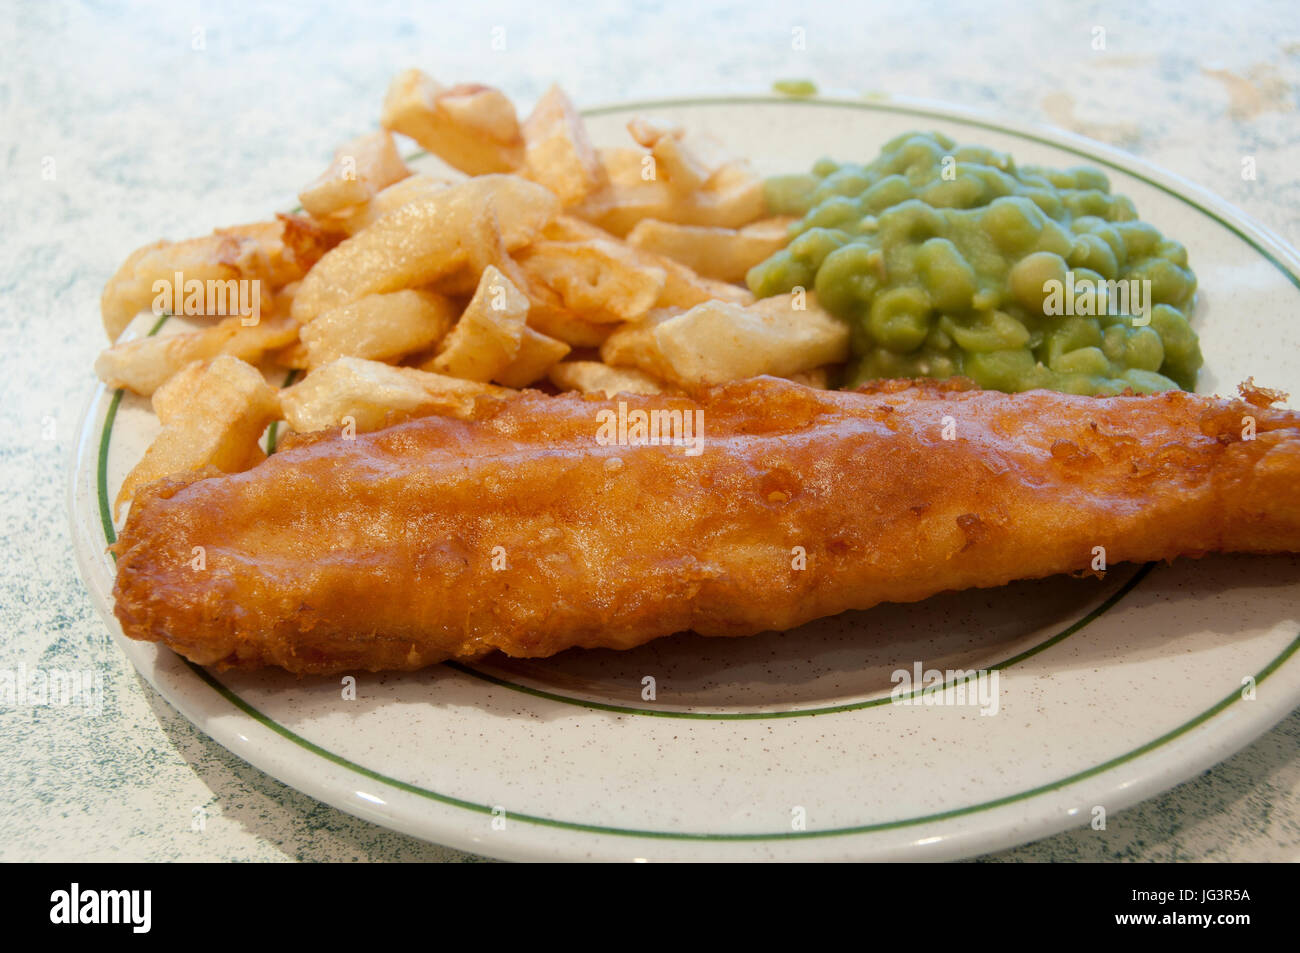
x,y
519,530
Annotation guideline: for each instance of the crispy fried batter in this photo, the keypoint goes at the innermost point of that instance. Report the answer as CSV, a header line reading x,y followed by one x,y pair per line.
x,y
382,552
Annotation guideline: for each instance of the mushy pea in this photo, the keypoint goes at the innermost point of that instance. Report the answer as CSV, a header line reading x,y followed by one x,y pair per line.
x,y
952,260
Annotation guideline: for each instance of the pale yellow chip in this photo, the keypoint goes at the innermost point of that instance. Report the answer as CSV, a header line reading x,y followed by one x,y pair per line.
x,y
273,254
213,414
145,364
593,377
471,127
634,345
360,170
367,395
537,354
379,327
422,241
487,337
723,254
715,341
602,280
733,197
413,188
687,160
557,152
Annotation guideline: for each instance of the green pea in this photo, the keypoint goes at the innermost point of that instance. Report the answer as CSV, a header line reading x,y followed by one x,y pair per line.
x,y
832,213
947,276
1140,239
812,247
1090,361
848,278
1170,284
1147,382
1173,251
1086,177
886,193
824,167
1029,279
899,319
965,191
1014,223
911,221
1011,371
1089,251
779,274
1070,333
789,194
986,331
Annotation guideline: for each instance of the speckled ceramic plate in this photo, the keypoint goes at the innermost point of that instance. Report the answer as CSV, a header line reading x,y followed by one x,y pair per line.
x,y
787,745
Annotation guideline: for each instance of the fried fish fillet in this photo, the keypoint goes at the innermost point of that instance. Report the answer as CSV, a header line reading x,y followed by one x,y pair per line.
x,y
521,530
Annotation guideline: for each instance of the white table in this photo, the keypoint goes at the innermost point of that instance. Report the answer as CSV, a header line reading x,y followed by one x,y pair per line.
x,y
165,119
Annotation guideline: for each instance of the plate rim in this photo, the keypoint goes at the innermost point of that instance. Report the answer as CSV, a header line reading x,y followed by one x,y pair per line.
x,y
1277,251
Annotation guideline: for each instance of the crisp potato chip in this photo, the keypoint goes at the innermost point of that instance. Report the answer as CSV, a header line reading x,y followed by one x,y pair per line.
x,y
537,353
715,341
368,395
733,197
634,345
688,161
422,241
271,253
602,280
471,127
487,337
413,188
213,414
145,364
557,152
593,377
361,169
380,327
723,254
683,288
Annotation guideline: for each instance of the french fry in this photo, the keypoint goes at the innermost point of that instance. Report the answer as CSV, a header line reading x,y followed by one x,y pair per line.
x,y
272,253
145,364
487,337
368,395
602,280
634,345
554,320
537,354
733,197
687,161
213,414
424,240
379,327
593,377
683,288
717,341
361,169
557,152
413,188
472,128
723,254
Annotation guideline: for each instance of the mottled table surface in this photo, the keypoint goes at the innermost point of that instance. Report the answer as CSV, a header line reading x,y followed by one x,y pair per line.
x,y
121,126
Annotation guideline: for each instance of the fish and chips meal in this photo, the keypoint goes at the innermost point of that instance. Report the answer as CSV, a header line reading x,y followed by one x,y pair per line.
x,y
553,395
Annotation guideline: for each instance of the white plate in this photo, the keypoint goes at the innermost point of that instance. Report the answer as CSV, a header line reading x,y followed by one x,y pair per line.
x,y
1110,690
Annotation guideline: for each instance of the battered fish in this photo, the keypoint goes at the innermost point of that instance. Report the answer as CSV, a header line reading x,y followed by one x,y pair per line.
x,y
530,529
